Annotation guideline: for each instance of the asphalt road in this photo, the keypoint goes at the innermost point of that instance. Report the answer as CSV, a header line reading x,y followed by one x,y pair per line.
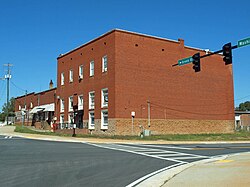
x,y
25,162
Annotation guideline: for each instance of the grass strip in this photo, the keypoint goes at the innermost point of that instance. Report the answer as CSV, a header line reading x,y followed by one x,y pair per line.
x,y
236,136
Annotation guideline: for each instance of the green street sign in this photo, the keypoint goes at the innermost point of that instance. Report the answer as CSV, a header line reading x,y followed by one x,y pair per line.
x,y
244,42
185,61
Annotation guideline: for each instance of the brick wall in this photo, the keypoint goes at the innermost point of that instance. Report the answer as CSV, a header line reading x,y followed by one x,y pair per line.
x,y
144,72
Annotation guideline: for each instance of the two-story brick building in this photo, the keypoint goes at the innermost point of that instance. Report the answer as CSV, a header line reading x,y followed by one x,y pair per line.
x,y
101,82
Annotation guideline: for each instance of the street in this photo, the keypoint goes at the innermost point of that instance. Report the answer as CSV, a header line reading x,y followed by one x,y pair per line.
x,y
26,162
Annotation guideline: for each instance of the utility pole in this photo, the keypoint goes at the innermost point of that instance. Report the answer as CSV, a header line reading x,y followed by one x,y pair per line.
x,y
25,107
148,101
7,77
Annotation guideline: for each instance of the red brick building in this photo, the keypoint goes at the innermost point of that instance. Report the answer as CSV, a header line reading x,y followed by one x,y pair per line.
x,y
101,82
38,107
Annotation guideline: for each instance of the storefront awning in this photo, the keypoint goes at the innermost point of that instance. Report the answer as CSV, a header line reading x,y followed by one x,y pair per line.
x,y
43,108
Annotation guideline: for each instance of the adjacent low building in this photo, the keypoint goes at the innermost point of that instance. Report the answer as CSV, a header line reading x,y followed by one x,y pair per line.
x,y
36,109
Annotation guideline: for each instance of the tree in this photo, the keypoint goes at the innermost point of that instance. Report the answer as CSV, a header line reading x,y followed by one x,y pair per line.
x,y
244,106
10,108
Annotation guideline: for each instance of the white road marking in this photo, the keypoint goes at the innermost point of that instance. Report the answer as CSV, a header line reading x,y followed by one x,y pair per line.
x,y
162,146
151,174
185,158
154,152
138,153
169,151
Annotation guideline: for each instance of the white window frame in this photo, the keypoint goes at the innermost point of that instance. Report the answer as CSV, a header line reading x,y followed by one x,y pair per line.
x,y
62,105
71,116
104,125
81,72
19,107
91,125
62,78
62,119
31,105
71,103
80,102
91,68
92,100
104,103
105,63
71,78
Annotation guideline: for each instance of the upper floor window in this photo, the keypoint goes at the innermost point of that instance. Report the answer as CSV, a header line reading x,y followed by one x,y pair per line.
x,y
71,103
104,97
19,107
62,105
91,100
62,78
80,102
71,75
104,63
81,72
91,68
31,105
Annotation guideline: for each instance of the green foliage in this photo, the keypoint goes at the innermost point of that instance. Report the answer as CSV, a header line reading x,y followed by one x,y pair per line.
x,y
244,106
10,108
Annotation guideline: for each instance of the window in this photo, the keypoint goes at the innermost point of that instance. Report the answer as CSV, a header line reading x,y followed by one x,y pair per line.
x,y
104,119
62,105
81,72
62,78
62,118
80,102
71,75
71,103
91,68
19,107
91,120
104,97
71,119
31,105
104,64
91,100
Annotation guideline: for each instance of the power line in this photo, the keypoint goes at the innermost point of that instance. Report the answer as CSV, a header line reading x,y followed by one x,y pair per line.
x,y
17,86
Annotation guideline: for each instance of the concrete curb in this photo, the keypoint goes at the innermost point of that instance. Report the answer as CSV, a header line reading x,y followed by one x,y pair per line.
x,y
114,141
161,178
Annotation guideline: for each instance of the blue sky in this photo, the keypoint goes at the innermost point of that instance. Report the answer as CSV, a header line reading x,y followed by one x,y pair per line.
x,y
34,32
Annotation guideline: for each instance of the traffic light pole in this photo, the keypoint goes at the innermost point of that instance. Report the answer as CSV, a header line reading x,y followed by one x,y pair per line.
x,y
213,53
216,52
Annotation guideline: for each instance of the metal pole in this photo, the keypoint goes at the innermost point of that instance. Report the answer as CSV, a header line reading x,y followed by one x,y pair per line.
x,y
8,92
8,76
213,53
132,125
148,113
25,106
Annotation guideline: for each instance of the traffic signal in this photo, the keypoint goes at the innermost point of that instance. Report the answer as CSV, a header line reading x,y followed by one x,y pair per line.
x,y
196,62
227,53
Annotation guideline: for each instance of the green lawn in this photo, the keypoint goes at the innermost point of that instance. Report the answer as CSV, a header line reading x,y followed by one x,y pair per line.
x,y
237,136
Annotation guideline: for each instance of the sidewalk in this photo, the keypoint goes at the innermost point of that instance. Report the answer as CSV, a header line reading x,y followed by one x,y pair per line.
x,y
229,172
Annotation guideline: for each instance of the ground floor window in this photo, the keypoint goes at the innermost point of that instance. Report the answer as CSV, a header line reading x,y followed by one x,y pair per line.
x,y
91,120
104,119
71,119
